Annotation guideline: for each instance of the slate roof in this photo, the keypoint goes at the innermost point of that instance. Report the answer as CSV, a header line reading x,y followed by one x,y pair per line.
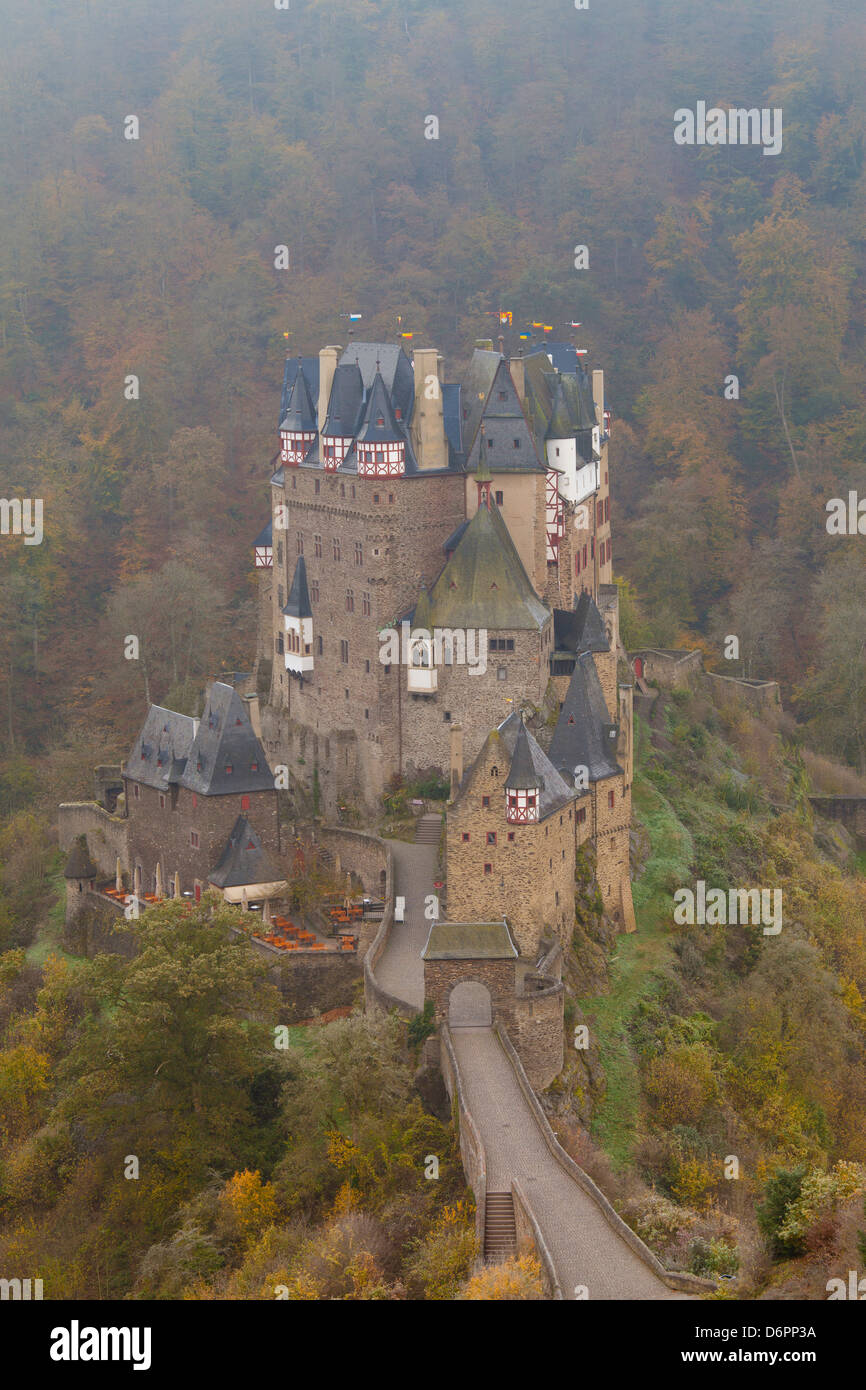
x,y
581,630
243,860
484,583
310,367
554,791
500,424
582,734
559,405
483,367
452,415
392,364
298,605
346,401
225,738
161,748
379,407
79,863
521,775
300,413
265,536
469,941
450,544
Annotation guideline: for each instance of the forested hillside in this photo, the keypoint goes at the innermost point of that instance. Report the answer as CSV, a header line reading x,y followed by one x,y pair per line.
x,y
258,127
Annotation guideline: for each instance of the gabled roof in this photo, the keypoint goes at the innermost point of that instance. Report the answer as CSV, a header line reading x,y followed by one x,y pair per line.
x,y
469,941
265,536
79,864
225,739
582,734
483,367
163,744
298,605
559,403
346,400
554,791
379,409
300,416
581,630
504,429
243,860
484,584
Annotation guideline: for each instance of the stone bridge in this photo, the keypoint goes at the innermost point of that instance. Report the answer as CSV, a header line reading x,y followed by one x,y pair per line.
x,y
508,1148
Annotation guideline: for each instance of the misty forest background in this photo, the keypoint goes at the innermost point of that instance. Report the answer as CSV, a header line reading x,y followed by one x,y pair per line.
x,y
155,258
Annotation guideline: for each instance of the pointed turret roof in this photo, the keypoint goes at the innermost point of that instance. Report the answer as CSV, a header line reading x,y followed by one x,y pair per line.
x,y
225,756
501,427
585,734
298,605
581,630
554,791
522,774
380,424
423,615
484,584
344,405
243,860
300,417
79,863
265,536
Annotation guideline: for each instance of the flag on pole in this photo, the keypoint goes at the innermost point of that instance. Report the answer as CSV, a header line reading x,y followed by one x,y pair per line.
x,y
407,335
506,316
574,324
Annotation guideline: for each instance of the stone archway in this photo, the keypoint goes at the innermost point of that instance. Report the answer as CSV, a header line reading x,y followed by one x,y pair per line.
x,y
470,1006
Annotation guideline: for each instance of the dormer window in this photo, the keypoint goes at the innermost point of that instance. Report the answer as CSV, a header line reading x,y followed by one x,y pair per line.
x,y
254,767
381,420
228,769
398,413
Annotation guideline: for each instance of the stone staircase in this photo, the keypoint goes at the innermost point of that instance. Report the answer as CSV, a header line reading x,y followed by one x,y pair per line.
x,y
428,830
500,1229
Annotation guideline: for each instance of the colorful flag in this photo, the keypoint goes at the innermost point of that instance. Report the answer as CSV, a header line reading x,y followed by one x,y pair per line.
x,y
407,335
506,316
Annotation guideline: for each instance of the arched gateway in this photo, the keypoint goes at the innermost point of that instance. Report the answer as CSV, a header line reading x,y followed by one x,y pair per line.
x,y
470,1006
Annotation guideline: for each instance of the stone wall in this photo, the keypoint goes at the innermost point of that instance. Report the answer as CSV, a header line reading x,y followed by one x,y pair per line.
x,y
161,833
471,1147
497,976
761,697
611,825
107,836
669,670
370,859
535,1027
98,927
534,861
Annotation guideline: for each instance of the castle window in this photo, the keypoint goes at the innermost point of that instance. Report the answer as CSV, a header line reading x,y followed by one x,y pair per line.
x,y
581,815
550,863
359,553
610,798
398,412
281,649
254,767
294,481
314,590
592,546
490,443
300,542
499,498
318,486
162,801
353,489
280,596
194,801
502,673
380,421
350,600
511,834
488,868
447,716
494,772
320,646
491,837
560,820
607,509
193,839
367,668
390,497
228,769
366,714
485,802
466,837
375,497
530,801
556,895
337,549
317,547
342,489
365,605
517,443
279,552
344,650
245,803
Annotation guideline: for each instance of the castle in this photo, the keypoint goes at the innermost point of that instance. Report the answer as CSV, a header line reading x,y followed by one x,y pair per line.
x,y
435,599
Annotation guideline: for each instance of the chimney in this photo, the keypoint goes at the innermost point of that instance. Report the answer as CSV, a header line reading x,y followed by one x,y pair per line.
x,y
456,758
517,367
254,714
428,424
327,366
598,396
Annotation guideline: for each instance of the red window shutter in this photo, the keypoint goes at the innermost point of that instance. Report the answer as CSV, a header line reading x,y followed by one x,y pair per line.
x,y
245,803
